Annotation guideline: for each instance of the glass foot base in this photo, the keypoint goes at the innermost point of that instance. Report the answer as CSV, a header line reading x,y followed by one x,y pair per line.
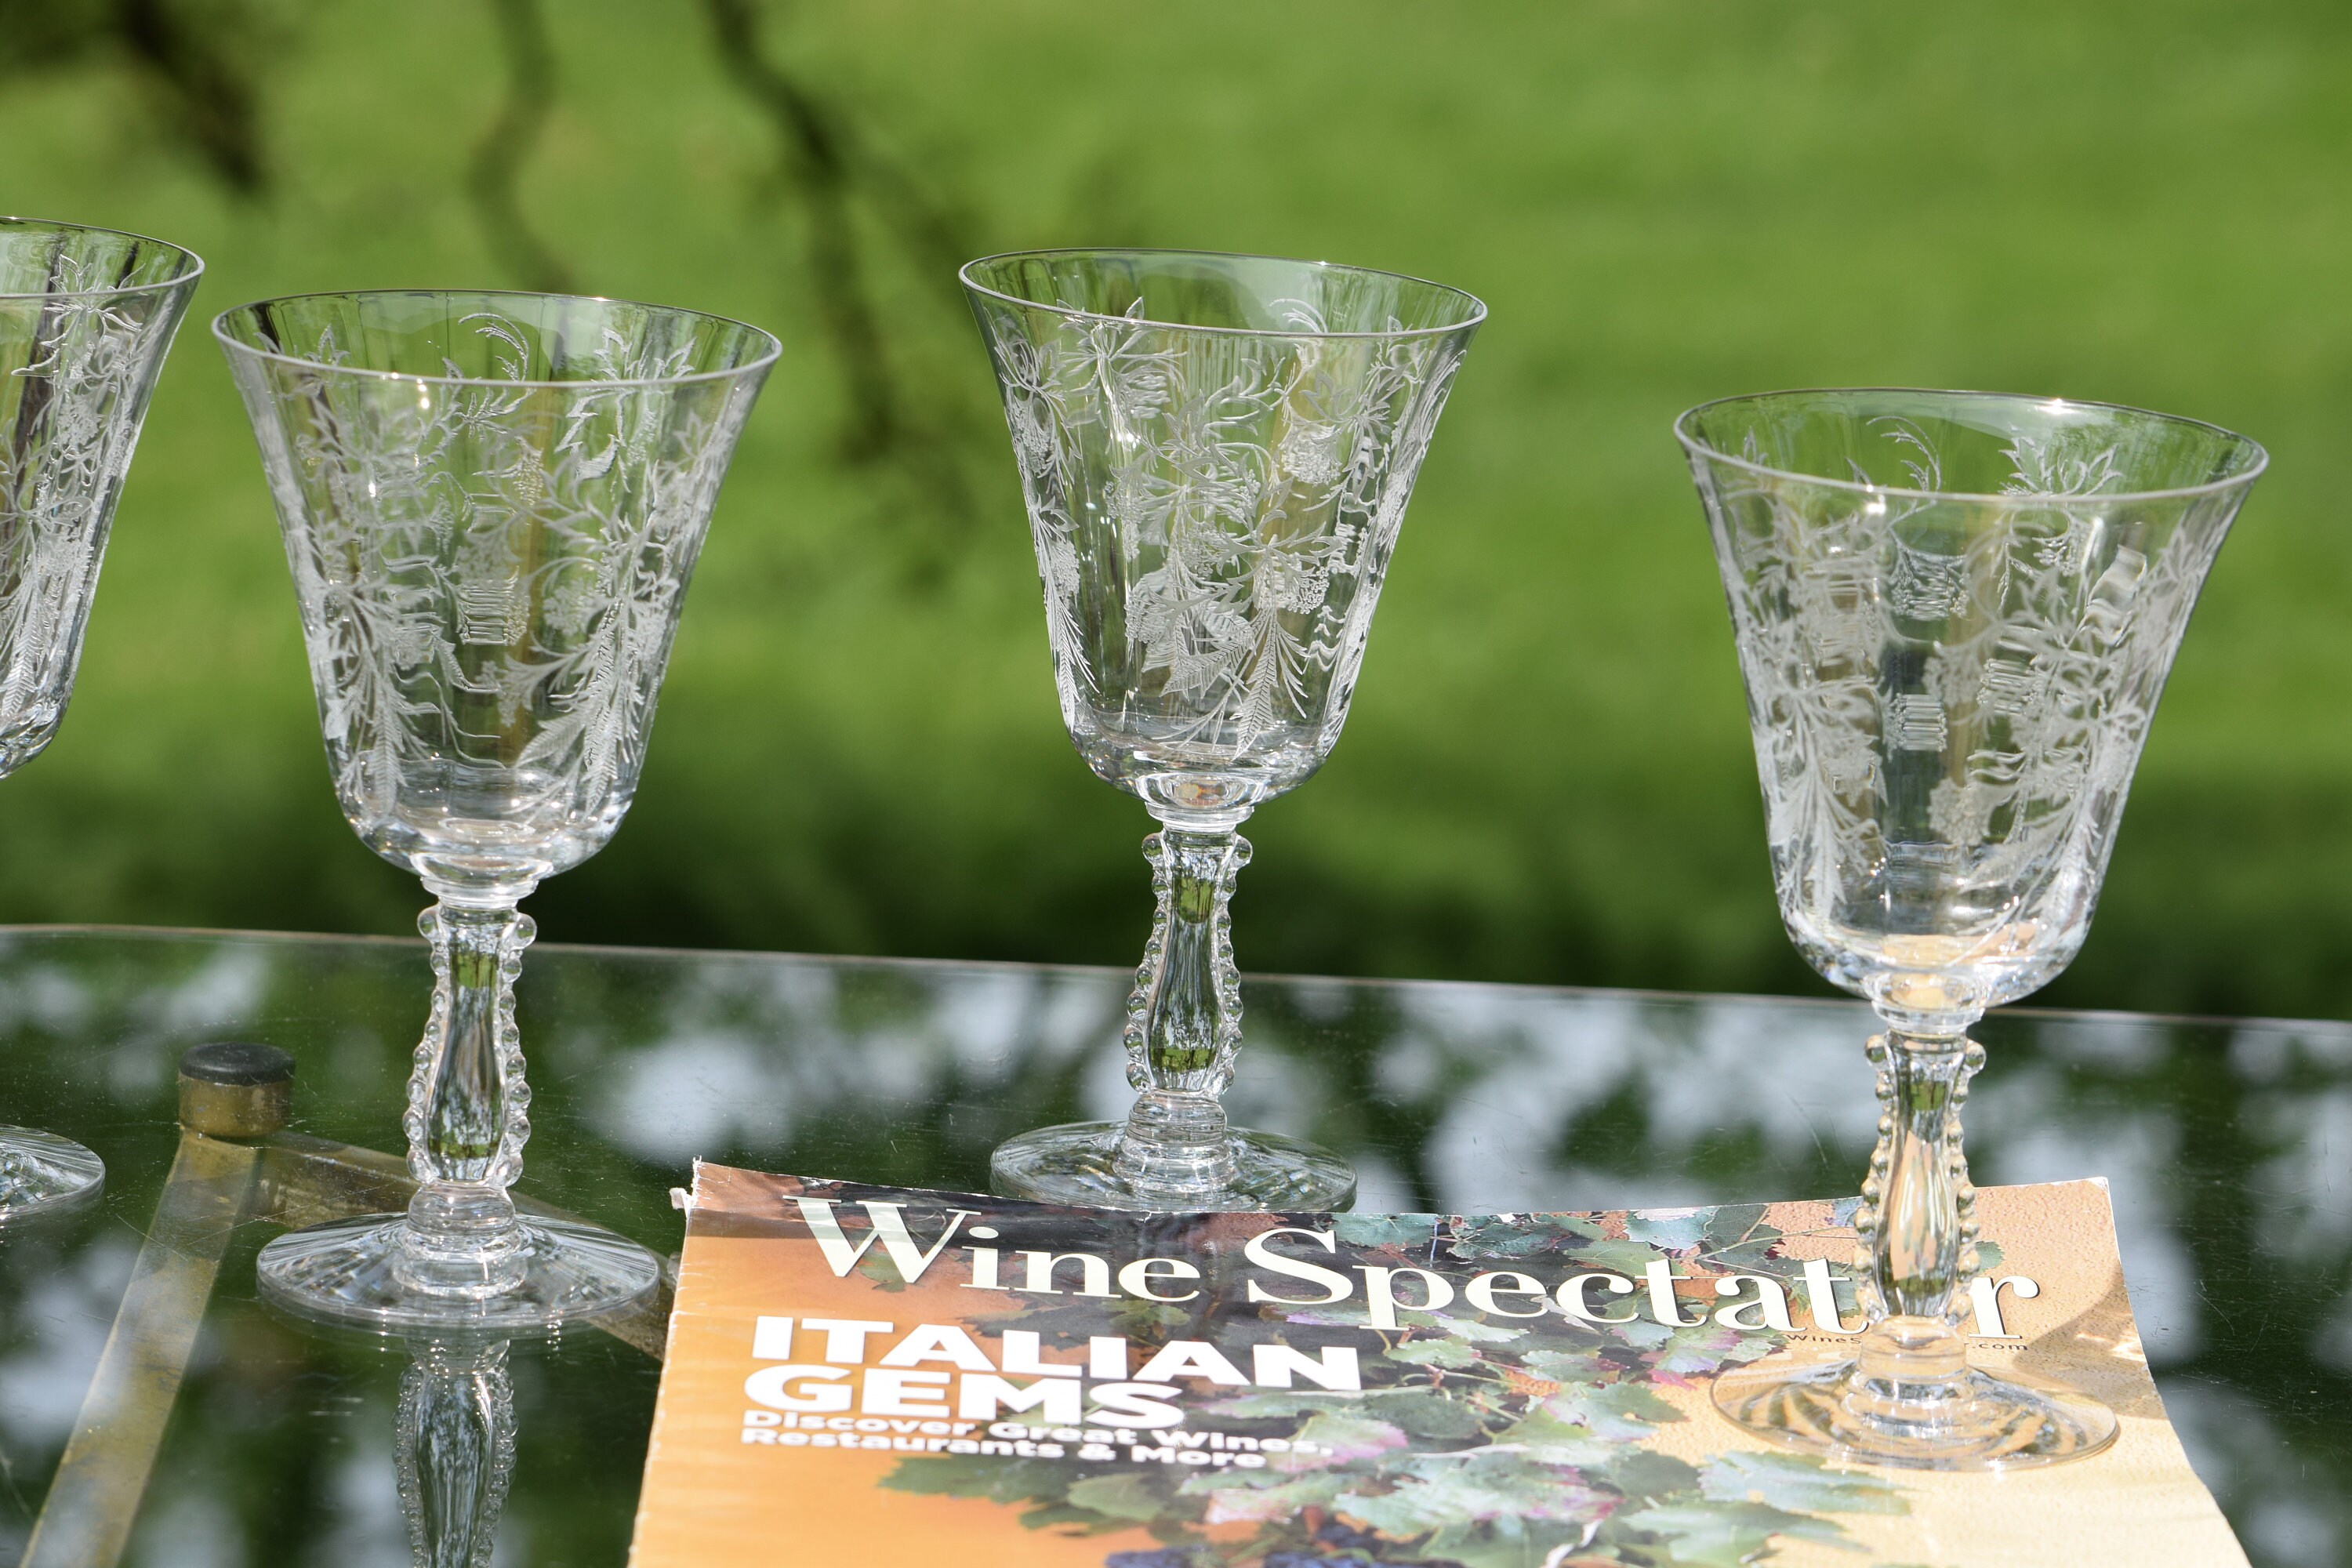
x,y
351,1271
1972,1421
1076,1163
42,1173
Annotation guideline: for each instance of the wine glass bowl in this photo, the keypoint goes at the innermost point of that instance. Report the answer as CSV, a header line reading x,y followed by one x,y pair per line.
x,y
492,504
1953,612
87,316
1215,453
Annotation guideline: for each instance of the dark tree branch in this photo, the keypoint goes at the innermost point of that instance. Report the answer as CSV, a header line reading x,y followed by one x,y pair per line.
x,y
818,162
498,157
202,86
37,34
831,172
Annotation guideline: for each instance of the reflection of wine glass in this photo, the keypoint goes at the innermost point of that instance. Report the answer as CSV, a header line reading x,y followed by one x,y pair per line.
x,y
454,1449
491,505
1216,451
86,317
1953,612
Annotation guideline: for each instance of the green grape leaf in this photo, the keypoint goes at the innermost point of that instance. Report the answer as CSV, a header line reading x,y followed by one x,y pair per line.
x,y
1123,1494
1736,1223
1506,1542
1626,1258
1675,1230
1701,1348
1471,1329
1551,1441
1641,1475
1482,1487
1798,1482
1425,1414
970,1475
1412,1231
1064,1519
1642,1334
1505,1237
1752,1256
1619,1411
1566,1366
1724,1535
1435,1352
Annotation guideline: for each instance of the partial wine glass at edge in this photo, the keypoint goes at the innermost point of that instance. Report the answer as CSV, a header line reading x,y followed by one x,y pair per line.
x,y
87,316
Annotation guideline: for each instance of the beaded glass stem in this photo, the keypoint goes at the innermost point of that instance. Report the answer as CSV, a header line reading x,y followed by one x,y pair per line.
x,y
1215,452
1918,1220
454,1449
1953,612
1185,1019
86,317
492,504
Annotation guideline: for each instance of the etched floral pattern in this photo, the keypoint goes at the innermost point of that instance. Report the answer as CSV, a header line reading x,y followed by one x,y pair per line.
x,y
489,574
1949,692
80,360
1213,513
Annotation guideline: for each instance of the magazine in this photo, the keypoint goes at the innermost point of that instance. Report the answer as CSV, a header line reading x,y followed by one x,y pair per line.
x,y
909,1379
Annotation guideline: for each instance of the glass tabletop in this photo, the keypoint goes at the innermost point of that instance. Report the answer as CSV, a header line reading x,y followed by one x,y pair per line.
x,y
2226,1144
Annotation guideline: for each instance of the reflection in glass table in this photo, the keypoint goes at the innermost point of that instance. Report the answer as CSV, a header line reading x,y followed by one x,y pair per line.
x,y
285,1444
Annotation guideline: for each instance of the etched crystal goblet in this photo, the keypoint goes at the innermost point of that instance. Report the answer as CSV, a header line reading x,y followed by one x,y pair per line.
x,y
1215,452
86,317
1954,612
491,504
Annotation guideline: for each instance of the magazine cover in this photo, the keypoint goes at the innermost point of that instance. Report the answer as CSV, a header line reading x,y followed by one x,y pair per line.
x,y
866,1375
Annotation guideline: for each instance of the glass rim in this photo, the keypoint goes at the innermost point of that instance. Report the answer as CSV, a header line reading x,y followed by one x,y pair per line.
x,y
1697,448
231,345
963,275
192,265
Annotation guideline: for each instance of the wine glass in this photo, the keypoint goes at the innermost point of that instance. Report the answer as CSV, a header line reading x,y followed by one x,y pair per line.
x,y
1215,452
1954,612
86,317
491,505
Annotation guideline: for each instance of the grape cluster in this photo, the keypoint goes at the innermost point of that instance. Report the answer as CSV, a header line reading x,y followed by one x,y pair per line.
x,y
1341,1545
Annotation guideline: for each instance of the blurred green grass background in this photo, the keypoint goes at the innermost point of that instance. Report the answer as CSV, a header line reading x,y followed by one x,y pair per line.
x,y
1547,775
